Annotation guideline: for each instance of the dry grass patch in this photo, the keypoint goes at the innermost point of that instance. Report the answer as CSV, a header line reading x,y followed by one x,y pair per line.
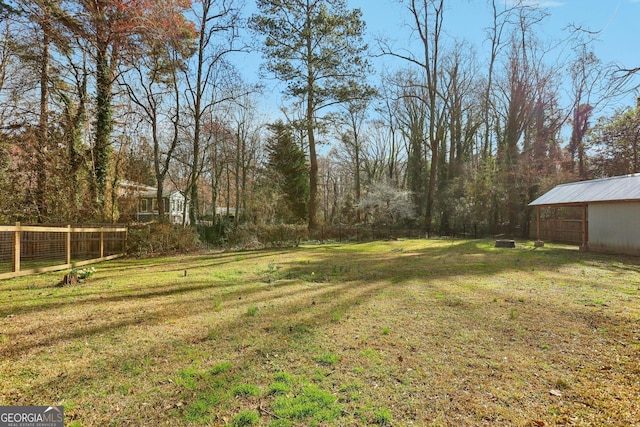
x,y
421,332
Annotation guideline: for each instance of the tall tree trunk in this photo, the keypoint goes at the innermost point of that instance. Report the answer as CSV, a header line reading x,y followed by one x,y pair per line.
x,y
43,126
102,150
75,117
310,119
313,180
432,68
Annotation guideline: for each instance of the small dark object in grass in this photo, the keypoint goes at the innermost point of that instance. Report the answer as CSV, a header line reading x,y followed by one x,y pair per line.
x,y
76,275
505,243
69,279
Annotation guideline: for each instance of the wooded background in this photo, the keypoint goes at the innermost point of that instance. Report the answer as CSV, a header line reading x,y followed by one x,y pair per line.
x,y
96,92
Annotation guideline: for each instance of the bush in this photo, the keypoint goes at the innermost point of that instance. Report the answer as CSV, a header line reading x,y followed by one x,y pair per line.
x,y
215,234
161,239
249,236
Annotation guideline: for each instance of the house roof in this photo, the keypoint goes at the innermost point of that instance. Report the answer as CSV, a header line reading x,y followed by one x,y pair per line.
x,y
615,189
135,187
145,191
153,193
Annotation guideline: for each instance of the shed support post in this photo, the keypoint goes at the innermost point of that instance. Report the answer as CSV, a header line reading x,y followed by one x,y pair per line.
x,y
538,243
585,229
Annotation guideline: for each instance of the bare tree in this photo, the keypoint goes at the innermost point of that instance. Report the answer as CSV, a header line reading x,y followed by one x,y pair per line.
x,y
217,38
593,85
427,20
387,131
153,86
352,119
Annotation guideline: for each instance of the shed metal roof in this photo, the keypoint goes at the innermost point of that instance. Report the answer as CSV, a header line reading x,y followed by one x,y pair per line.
x,y
617,188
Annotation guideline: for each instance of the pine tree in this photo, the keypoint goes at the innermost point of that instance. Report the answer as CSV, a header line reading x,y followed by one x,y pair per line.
x,y
288,167
317,48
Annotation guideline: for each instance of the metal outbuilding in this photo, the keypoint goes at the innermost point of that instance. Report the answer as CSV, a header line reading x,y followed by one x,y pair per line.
x,y
610,211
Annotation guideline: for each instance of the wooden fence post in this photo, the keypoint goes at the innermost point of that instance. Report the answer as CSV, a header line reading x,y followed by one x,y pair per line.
x,y
69,244
101,242
16,249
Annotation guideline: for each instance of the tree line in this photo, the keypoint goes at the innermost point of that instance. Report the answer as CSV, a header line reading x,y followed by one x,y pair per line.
x,y
94,93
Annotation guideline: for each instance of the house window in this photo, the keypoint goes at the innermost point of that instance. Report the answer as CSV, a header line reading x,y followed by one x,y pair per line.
x,y
143,205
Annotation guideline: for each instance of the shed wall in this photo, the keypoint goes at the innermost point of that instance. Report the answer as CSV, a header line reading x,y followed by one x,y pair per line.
x,y
615,227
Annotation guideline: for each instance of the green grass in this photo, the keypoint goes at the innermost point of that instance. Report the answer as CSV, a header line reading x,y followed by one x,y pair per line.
x,y
246,390
327,359
220,368
414,332
245,418
278,388
310,405
252,310
382,417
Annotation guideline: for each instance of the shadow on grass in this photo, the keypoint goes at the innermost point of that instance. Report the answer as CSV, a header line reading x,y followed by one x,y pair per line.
x,y
328,263
300,298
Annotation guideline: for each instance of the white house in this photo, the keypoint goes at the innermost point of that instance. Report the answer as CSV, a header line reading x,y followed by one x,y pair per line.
x,y
145,202
610,211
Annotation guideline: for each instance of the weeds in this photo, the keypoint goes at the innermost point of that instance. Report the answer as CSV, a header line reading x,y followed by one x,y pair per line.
x,y
252,310
382,417
245,390
245,418
83,273
312,405
221,367
278,388
327,359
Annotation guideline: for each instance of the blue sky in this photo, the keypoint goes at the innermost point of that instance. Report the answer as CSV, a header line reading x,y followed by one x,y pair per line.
x,y
617,23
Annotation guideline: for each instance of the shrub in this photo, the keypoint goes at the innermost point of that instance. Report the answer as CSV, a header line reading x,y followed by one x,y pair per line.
x,y
249,236
216,234
83,273
159,238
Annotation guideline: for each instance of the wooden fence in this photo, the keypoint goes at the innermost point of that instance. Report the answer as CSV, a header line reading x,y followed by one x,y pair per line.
x,y
560,230
29,249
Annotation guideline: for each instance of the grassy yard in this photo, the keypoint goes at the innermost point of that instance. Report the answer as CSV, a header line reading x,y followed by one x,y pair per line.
x,y
415,332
